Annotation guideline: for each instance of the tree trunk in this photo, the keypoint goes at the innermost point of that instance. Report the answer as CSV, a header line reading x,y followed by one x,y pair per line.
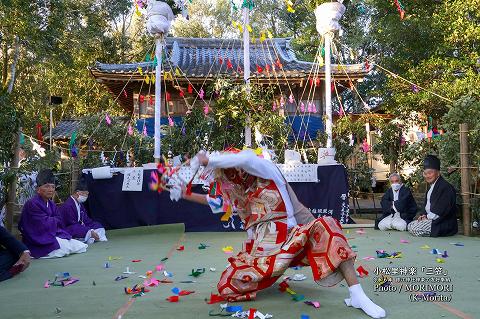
x,y
5,64
12,189
14,64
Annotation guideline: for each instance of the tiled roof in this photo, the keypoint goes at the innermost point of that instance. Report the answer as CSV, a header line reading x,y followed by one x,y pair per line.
x,y
205,57
64,129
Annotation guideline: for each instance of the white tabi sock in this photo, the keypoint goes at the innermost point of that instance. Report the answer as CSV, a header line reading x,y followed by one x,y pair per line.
x,y
358,299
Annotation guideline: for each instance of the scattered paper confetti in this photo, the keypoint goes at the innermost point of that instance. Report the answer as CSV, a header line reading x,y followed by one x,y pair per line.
x,y
440,261
458,244
107,265
202,246
128,272
315,304
435,251
214,299
228,249
136,260
159,267
368,258
305,317
197,272
47,284
361,232
444,255
114,258
233,308
213,269
404,241
173,299
362,272
185,292
176,290
299,277
425,247
181,248
167,274
120,278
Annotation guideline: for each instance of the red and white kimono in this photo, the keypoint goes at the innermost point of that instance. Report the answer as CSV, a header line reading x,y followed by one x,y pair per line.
x,y
268,208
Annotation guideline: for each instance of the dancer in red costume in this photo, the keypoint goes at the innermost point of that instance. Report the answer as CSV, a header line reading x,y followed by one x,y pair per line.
x,y
282,233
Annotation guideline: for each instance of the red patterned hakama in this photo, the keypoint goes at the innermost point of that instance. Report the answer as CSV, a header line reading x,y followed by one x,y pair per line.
x,y
272,249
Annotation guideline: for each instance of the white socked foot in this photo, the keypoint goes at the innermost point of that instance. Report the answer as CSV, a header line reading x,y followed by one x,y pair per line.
x,y
358,299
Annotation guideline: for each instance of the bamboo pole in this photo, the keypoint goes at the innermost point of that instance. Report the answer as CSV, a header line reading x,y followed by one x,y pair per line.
x,y
465,178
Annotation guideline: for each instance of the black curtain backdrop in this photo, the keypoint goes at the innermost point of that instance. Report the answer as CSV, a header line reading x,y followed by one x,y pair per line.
x,y
108,204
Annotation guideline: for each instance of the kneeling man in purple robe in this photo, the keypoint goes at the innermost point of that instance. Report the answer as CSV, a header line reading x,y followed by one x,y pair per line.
x,y
75,217
41,224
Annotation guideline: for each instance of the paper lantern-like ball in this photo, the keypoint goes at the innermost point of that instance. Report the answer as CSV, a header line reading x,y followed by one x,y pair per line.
x,y
328,16
159,17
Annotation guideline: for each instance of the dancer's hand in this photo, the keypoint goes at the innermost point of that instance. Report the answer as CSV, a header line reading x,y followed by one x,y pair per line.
x,y
202,158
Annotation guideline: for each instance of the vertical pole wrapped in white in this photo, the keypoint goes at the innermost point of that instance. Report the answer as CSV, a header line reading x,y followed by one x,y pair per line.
x,y
159,20
328,90
246,68
328,16
158,98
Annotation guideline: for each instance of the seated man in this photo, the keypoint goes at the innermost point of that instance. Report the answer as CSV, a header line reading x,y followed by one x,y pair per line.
x,y
41,225
398,206
14,256
440,217
75,217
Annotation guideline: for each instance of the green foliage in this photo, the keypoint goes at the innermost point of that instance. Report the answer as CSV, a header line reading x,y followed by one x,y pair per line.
x,y
228,115
96,135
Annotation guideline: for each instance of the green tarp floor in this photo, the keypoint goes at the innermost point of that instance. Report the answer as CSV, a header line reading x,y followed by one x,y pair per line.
x,y
25,296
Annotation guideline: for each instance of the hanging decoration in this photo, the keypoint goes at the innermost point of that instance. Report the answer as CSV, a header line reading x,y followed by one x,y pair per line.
x,y
145,131
291,99
259,69
302,107
71,145
201,93
206,109
400,8
108,120
249,4
190,89
282,101
367,65
38,131
365,146
170,122
289,4
415,88
37,148
130,130
168,96
229,64
141,98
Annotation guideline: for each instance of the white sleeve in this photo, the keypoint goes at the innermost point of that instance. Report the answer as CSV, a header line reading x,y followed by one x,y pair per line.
x,y
432,216
252,164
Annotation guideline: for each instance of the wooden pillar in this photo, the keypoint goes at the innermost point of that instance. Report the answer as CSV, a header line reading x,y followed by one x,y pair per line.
x,y
465,177
12,189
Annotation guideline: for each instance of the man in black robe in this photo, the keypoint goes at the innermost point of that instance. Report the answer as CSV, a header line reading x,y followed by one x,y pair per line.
x,y
398,206
440,217
14,256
